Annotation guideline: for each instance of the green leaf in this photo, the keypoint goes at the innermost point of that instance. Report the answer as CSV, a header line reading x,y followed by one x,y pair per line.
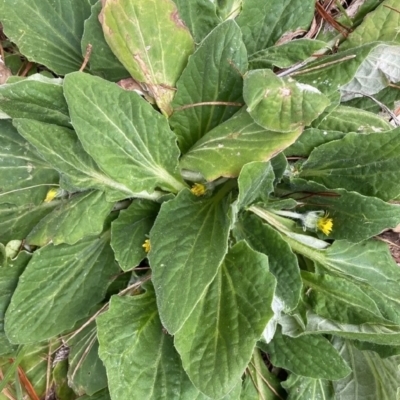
x,y
130,152
349,119
214,354
378,25
53,296
372,378
60,382
364,70
82,215
135,349
364,163
101,395
9,275
264,25
154,50
130,230
303,388
259,383
282,262
225,149
340,300
42,33
200,17
281,104
286,54
372,333
256,181
213,74
36,97
61,148
21,166
86,372
102,60
299,356
228,9
188,243
355,217
310,139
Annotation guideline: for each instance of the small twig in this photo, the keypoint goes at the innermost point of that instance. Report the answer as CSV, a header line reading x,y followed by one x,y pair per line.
x,y
48,370
87,57
27,384
391,8
256,386
135,285
387,241
209,103
2,53
5,391
85,353
27,68
265,381
350,57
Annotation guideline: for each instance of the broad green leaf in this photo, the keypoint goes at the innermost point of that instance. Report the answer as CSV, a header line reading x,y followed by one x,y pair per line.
x,y
86,372
255,182
188,243
279,165
200,17
303,388
61,148
286,54
364,70
123,133
82,215
36,97
281,104
213,74
101,395
282,262
47,33
228,9
102,60
372,333
382,350
139,357
259,383
372,378
151,41
9,275
130,230
214,354
310,139
263,25
21,211
225,149
380,24
349,119
58,288
299,355
364,163
21,166
340,300
355,217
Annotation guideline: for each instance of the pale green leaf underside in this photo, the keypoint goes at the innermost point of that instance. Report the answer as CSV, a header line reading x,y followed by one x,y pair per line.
x,y
303,388
47,32
122,132
140,359
225,149
213,353
58,288
188,243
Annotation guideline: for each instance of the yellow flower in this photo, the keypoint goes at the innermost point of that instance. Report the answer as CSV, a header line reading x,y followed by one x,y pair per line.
x,y
325,224
146,245
198,189
51,195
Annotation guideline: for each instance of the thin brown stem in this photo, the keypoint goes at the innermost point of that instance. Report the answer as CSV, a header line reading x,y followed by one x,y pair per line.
x,y
87,57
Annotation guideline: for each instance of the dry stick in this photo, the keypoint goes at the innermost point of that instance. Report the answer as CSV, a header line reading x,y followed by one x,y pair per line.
x,y
27,384
48,371
88,348
87,57
387,241
350,57
5,391
209,103
26,69
391,8
2,54
257,388
102,309
266,382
